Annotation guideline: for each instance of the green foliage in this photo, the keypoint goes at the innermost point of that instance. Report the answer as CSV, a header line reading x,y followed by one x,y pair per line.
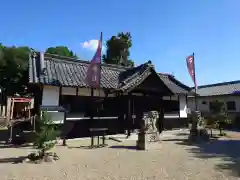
x,y
218,118
130,63
13,69
211,124
61,51
47,133
116,46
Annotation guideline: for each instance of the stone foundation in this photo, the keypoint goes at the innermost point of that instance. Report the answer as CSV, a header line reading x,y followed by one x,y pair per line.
x,y
147,141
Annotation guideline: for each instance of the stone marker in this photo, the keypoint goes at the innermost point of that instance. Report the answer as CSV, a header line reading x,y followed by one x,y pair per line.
x,y
148,137
198,132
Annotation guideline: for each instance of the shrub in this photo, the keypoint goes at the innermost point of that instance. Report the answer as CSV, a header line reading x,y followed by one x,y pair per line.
x,y
218,118
46,136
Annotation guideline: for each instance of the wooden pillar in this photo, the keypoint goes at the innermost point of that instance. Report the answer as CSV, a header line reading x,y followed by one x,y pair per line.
x,y
179,106
37,98
119,113
91,112
186,96
133,112
122,111
76,91
64,129
161,116
91,116
34,123
129,114
139,113
60,99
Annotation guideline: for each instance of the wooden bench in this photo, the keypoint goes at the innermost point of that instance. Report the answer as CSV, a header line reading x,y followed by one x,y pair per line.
x,y
98,132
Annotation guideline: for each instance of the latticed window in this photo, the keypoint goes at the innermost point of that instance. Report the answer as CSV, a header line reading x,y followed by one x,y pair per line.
x,y
231,105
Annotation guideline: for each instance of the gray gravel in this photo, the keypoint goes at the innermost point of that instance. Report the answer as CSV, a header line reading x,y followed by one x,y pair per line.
x,y
172,161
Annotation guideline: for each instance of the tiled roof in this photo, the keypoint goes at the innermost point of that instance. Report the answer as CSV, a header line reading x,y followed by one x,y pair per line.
x,y
70,72
173,84
133,76
225,88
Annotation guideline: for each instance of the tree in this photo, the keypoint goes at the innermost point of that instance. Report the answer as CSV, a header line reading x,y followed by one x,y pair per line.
x,y
61,51
2,62
46,135
118,46
218,117
46,139
13,69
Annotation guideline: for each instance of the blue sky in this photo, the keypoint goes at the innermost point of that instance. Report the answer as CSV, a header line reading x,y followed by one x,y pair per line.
x,y
164,31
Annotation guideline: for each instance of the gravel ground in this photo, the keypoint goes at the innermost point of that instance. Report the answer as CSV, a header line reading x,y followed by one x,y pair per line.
x,y
172,162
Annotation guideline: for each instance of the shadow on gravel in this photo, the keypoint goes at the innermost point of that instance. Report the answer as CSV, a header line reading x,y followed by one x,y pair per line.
x,y
124,147
174,140
88,147
12,160
5,146
228,150
80,147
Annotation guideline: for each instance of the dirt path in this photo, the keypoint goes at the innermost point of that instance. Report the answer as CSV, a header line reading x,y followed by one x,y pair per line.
x,y
120,161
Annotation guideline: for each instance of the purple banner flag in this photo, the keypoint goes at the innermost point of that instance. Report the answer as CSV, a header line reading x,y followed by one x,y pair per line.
x,y
191,68
94,69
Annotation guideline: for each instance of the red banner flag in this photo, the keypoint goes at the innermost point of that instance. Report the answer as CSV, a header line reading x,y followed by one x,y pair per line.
x,y
191,68
94,69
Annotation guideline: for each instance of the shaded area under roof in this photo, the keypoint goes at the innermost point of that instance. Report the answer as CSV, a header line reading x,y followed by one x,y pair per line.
x,y
71,73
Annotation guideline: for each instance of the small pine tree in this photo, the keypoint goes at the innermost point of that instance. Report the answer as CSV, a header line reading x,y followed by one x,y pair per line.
x,y
219,117
46,135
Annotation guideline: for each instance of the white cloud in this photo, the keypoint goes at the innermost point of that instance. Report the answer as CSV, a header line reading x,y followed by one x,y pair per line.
x,y
91,45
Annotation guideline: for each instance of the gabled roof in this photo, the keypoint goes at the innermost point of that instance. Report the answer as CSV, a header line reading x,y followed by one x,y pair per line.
x,y
70,72
133,77
224,88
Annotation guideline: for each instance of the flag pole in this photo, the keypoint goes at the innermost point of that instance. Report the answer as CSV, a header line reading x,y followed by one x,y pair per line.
x,y
100,74
195,95
93,77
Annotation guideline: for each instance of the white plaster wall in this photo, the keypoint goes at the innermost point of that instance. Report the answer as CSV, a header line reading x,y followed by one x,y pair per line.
x,y
84,92
175,97
97,91
166,97
205,107
69,91
183,106
87,92
50,96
